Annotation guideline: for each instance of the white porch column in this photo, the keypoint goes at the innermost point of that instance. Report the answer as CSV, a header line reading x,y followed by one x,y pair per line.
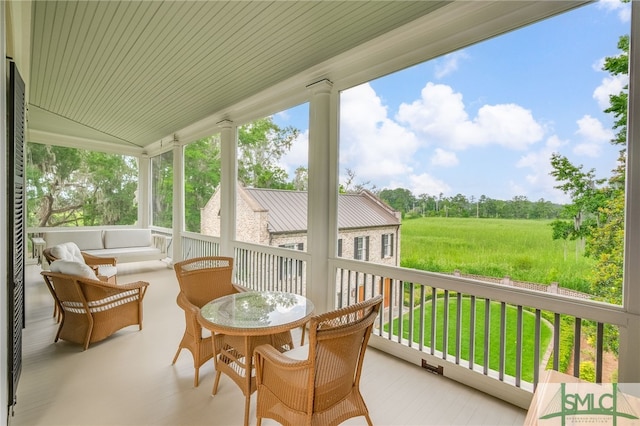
x,y
323,193
628,361
178,200
228,182
144,190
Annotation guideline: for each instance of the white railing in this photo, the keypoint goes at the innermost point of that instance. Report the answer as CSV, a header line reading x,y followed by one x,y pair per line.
x,y
493,337
256,267
198,245
486,335
271,268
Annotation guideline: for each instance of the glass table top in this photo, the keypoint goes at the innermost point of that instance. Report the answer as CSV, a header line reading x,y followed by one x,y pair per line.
x,y
254,309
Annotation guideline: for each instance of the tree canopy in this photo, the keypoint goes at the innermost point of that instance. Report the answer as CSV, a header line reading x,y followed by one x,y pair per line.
x,y
73,187
598,208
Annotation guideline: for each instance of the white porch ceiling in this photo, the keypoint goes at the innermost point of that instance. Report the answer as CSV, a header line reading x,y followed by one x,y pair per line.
x,y
129,73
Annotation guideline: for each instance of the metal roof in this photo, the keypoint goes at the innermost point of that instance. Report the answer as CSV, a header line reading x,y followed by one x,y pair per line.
x,y
287,210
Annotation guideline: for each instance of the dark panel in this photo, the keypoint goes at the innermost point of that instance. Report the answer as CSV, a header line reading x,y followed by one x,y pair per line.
x,y
16,229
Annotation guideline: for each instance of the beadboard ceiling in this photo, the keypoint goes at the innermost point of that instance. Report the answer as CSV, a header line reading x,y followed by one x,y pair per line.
x,y
130,73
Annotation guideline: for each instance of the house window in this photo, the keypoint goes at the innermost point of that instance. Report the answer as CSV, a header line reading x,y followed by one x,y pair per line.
x,y
290,267
340,247
387,245
361,248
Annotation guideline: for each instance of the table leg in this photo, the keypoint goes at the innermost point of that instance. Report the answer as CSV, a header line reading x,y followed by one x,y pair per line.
x,y
247,403
248,361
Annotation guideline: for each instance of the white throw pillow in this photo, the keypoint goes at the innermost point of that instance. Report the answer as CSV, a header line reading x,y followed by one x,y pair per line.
x,y
67,251
73,268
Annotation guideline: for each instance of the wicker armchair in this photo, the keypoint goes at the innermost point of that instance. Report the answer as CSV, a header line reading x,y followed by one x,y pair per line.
x,y
104,267
319,386
201,280
92,310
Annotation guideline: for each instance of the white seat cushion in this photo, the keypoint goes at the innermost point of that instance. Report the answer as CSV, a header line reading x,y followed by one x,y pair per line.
x,y
300,353
107,271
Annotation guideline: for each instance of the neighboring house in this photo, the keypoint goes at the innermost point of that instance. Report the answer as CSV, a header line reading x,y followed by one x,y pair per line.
x,y
368,229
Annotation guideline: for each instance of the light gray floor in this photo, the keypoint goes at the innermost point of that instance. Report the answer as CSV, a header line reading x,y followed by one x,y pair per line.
x,y
128,379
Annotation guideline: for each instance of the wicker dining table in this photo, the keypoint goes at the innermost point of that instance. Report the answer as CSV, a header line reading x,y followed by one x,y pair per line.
x,y
244,321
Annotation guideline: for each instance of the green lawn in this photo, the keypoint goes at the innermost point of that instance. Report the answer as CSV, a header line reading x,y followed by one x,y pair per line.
x,y
521,249
494,334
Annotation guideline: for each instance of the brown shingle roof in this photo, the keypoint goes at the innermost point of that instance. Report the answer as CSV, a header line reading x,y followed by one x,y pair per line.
x,y
288,210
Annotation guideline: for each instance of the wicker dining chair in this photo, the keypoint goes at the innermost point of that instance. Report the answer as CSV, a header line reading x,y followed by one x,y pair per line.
x,y
201,280
318,384
92,310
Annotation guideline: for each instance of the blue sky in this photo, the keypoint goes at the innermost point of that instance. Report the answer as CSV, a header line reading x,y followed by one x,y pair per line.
x,y
485,120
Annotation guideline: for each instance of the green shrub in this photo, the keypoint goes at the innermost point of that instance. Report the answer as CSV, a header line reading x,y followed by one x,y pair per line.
x,y
588,371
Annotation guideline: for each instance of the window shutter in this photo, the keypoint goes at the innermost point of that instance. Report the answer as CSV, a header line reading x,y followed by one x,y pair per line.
x,y
16,232
355,248
390,244
340,247
384,241
366,245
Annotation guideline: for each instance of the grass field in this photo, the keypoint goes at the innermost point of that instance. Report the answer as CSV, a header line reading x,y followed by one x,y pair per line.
x,y
521,249
528,333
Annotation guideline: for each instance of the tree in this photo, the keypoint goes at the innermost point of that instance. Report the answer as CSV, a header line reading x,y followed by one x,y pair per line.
x,y
162,189
586,192
606,244
202,177
399,199
619,65
301,179
261,145
458,206
73,187
347,187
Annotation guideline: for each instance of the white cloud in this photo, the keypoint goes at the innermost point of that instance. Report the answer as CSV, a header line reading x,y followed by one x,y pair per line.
x,y
423,183
283,115
375,147
611,85
441,117
449,63
592,129
593,137
623,9
538,180
444,158
298,154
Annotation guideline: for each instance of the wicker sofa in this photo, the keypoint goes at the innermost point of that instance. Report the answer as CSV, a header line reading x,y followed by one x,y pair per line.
x,y
126,245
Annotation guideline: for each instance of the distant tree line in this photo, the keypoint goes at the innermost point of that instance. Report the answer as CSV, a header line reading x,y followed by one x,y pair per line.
x,y
426,205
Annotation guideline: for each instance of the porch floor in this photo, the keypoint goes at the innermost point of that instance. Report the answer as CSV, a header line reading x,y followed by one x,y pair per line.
x,y
128,378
